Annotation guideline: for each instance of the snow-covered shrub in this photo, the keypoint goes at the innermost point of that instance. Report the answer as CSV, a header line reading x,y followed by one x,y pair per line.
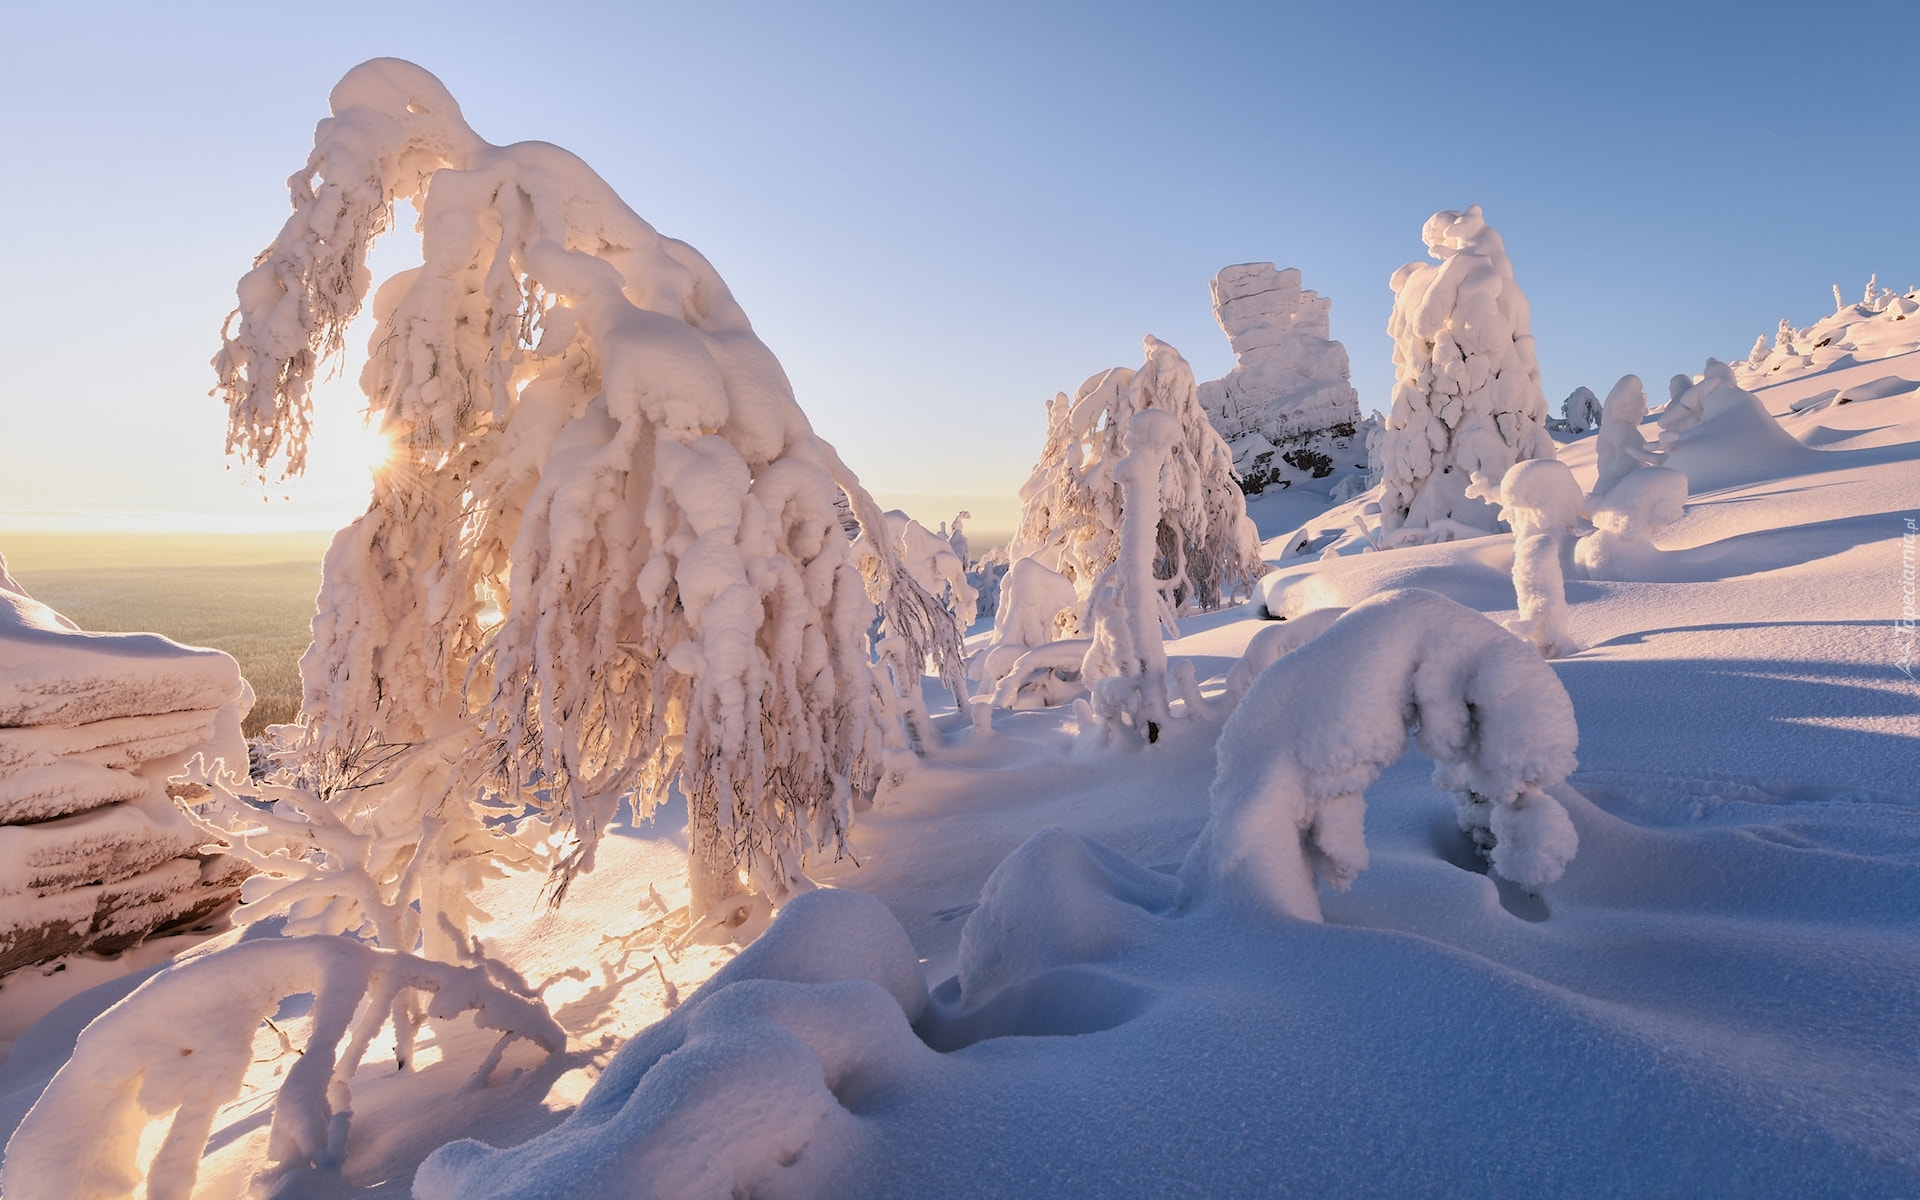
x,y
1206,549
1541,501
1323,721
1466,396
591,440
739,1090
182,1042
1620,448
1621,548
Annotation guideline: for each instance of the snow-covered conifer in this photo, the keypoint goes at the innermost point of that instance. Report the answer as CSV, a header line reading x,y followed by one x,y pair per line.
x,y
1070,517
1466,397
590,436
1620,448
1129,610
1581,410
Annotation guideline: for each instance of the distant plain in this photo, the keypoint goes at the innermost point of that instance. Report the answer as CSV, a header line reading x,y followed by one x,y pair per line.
x,y
250,595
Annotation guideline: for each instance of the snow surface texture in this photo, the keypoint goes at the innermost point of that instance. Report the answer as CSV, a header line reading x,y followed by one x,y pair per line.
x,y
94,852
1286,409
181,1043
590,437
1466,395
1297,757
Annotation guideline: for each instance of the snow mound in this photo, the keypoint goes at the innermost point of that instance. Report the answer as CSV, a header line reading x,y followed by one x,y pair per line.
x,y
748,1088
1625,523
1274,642
1296,757
1058,899
1719,435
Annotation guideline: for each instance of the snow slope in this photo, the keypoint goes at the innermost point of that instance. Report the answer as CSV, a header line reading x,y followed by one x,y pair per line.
x,y
1716,998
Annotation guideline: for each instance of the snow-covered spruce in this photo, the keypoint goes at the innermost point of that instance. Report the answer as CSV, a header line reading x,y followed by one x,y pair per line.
x,y
590,436
1297,756
1287,407
1466,395
1580,412
1620,448
181,1045
1541,501
1070,513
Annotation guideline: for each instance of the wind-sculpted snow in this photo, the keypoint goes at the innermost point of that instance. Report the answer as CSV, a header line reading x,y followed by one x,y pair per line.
x,y
1297,755
1466,396
1620,448
179,1046
1625,522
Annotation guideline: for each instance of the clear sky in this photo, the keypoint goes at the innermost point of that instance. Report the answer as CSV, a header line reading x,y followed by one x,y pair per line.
x,y
939,215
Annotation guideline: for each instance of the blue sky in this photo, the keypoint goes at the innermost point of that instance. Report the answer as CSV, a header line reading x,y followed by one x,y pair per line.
x,y
937,216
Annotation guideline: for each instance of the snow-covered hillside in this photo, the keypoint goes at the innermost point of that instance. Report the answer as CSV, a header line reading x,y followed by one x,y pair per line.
x,y
1715,997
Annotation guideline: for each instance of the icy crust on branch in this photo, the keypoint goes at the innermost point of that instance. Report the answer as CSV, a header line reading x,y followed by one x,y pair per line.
x,y
1289,389
94,852
590,437
745,1089
1466,396
179,1047
1070,513
1297,756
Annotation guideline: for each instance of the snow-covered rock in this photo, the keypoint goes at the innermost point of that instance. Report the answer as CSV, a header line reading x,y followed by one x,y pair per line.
x,y
1287,408
94,852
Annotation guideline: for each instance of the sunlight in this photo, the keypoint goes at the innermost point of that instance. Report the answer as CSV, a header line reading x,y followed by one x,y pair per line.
x,y
370,445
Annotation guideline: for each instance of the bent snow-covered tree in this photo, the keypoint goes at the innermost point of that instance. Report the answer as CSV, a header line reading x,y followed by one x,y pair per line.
x,y
1466,394
1207,549
590,438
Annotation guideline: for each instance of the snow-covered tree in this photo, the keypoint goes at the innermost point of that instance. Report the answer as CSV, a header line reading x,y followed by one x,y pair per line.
x,y
1542,503
1581,410
1620,448
1207,549
1466,397
1319,726
591,440
1129,611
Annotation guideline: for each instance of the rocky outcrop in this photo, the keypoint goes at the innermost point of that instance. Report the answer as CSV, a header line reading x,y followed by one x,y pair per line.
x,y
1287,408
94,852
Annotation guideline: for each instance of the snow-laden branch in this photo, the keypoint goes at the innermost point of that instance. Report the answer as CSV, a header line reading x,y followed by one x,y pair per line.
x,y
1301,749
607,552
182,1042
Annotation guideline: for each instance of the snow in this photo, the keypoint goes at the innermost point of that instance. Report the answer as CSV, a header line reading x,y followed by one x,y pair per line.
x,y
1466,396
1287,398
94,851
1394,904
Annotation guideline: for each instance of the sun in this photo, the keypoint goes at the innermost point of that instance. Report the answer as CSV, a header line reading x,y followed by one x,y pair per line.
x,y
374,447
